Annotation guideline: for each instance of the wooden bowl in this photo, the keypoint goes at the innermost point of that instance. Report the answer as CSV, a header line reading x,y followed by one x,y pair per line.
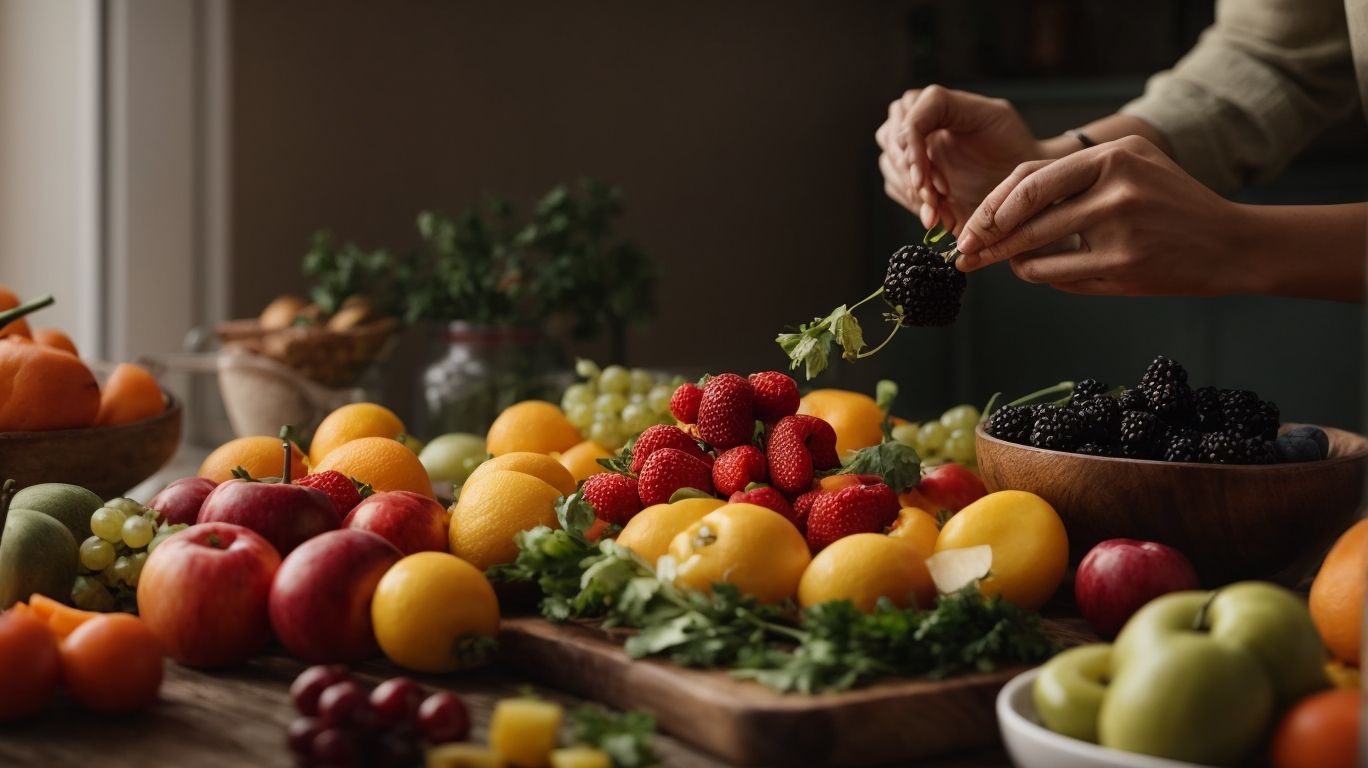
x,y
107,460
1234,522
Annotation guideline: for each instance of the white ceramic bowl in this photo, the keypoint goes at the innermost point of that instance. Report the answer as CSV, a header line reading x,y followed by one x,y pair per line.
x,y
1032,745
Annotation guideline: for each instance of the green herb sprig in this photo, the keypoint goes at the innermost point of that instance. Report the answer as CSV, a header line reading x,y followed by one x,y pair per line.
x,y
628,738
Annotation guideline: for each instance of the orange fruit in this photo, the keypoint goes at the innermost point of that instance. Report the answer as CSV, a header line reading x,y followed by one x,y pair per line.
x,y
1030,546
131,394
538,465
20,327
382,462
61,619
492,510
857,419
44,388
651,530
30,665
1320,731
532,425
1336,599
112,663
865,567
261,456
428,610
582,459
351,422
51,337
918,528
755,548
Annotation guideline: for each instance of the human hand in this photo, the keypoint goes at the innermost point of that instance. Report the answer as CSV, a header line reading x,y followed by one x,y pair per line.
x,y
1143,226
943,150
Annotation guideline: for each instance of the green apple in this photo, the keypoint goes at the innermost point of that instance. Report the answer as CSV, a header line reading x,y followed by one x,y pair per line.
x,y
452,457
1069,690
1191,698
1274,625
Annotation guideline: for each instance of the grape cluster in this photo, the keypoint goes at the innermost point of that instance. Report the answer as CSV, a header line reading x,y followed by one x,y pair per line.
x,y
111,560
615,404
340,724
947,438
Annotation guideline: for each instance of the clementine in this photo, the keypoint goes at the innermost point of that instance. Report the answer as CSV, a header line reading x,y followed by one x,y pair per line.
x,y
1336,599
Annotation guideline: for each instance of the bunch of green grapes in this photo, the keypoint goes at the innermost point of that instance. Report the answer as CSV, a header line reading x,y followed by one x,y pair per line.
x,y
125,533
948,438
615,404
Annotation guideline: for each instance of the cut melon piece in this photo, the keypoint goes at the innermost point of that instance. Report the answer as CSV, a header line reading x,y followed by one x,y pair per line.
x,y
523,731
462,756
580,757
955,569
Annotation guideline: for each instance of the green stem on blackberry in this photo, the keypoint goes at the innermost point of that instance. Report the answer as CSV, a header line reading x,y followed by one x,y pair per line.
x,y
1064,387
897,324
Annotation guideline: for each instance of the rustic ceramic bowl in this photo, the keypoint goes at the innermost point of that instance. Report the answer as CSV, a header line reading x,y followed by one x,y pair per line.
x,y
1234,522
107,460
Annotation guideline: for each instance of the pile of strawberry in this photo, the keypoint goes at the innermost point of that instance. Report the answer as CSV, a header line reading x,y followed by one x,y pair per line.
x,y
744,441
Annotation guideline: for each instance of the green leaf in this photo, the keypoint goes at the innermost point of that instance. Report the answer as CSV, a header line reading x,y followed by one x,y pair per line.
x,y
845,327
897,463
576,516
626,737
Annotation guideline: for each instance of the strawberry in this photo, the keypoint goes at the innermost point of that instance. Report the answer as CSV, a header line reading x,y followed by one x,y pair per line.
x,y
768,497
799,445
684,403
337,486
857,509
737,468
615,498
802,508
726,415
663,436
776,395
669,469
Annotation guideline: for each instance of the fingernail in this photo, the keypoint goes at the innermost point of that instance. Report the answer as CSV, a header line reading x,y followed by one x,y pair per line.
x,y
928,216
916,177
968,243
940,185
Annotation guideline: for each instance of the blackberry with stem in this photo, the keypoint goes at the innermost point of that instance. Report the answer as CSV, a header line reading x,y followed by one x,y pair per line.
x,y
1057,428
1012,423
1087,389
1139,436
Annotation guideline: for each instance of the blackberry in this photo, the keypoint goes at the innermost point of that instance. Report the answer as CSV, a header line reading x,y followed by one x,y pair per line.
x,y
1012,423
924,284
1181,445
1087,389
1093,449
1171,400
1056,428
1240,412
1163,370
1259,451
1267,419
1206,409
1140,434
1133,400
1101,417
1222,448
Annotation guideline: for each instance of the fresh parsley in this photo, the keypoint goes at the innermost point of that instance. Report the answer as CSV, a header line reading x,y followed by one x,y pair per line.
x,y
628,738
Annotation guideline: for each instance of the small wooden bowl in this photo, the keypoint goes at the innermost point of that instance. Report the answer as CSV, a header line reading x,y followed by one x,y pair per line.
x,y
1234,522
107,460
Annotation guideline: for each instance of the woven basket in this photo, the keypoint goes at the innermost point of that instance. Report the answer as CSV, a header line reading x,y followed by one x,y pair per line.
x,y
333,358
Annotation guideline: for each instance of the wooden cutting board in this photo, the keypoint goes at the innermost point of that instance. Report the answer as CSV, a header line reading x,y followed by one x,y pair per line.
x,y
748,724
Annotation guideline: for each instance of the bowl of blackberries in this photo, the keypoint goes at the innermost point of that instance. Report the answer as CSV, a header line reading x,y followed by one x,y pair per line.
x,y
1214,472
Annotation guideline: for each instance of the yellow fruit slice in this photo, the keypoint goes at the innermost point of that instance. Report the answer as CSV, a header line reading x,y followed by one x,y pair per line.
x,y
523,731
580,757
955,569
462,756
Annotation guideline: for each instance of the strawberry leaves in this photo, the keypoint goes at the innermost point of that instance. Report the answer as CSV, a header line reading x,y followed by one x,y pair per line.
x,y
897,463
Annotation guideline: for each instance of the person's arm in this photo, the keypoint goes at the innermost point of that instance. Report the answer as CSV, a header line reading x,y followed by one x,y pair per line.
x,y
1305,251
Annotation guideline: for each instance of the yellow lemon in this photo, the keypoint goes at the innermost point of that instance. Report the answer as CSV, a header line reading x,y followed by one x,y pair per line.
x,y
538,465
582,459
350,422
532,425
857,419
864,567
1030,546
429,609
493,509
651,530
755,548
917,527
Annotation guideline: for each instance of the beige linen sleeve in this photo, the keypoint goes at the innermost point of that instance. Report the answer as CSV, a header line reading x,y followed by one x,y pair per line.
x,y
1257,88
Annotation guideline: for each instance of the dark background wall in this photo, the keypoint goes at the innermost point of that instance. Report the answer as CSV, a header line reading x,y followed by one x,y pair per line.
x,y
742,134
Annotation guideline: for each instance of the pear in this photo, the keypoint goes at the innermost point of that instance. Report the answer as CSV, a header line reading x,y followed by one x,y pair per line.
x,y
71,504
37,554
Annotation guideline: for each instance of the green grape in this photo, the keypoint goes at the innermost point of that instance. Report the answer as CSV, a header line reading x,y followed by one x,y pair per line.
x,y
637,398
156,541
107,523
586,369
907,434
139,560
959,446
610,404
577,393
932,435
580,414
659,398
615,379
642,381
90,595
137,532
960,417
636,417
129,506
122,569
96,553
606,434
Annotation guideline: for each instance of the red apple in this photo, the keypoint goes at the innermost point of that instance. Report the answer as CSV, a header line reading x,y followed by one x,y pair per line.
x,y
410,521
287,515
951,486
321,596
180,500
203,593
1118,576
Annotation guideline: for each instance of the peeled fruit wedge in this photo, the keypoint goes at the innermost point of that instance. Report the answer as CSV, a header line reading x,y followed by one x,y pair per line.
x,y
580,757
462,756
523,731
955,569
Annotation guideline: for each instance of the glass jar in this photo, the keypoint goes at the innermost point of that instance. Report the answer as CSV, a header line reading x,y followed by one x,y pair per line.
x,y
481,370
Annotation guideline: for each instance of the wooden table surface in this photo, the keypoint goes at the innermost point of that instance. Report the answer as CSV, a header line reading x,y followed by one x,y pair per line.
x,y
237,718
